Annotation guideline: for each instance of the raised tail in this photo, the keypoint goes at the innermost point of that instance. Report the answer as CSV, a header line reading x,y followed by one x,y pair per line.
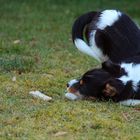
x,y
80,23
78,33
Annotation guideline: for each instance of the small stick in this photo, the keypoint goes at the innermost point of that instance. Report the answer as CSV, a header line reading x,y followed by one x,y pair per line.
x,y
40,95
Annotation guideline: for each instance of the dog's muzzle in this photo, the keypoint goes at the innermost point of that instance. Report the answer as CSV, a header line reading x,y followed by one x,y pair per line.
x,y
72,90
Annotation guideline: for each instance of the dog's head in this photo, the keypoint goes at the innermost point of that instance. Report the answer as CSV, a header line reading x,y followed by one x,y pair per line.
x,y
95,84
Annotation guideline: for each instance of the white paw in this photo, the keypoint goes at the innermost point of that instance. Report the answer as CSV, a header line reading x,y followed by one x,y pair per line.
x,y
130,102
71,96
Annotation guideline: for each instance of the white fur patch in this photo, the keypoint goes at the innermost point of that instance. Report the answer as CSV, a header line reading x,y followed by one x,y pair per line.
x,y
83,47
130,102
108,18
96,49
71,82
133,73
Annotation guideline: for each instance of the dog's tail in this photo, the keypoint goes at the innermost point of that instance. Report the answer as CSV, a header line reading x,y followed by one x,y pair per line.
x,y
78,33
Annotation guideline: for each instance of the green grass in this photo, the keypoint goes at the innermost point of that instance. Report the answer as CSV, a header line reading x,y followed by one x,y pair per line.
x,y
36,47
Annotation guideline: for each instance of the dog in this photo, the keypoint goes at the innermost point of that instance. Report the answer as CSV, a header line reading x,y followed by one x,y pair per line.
x,y
118,82
113,39
109,35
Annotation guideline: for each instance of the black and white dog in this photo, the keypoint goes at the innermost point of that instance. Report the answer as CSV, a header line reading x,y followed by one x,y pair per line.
x,y
119,82
113,38
110,34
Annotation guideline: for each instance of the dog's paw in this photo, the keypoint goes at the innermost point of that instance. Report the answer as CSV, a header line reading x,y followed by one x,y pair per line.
x,y
71,96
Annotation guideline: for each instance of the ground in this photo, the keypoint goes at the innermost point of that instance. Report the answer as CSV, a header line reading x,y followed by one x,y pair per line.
x,y
36,53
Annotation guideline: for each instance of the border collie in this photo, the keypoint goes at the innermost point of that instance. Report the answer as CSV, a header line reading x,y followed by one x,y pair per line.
x,y
119,82
110,34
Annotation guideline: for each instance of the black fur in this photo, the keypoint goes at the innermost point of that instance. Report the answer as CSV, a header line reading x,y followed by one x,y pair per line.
x,y
114,69
119,41
80,23
94,83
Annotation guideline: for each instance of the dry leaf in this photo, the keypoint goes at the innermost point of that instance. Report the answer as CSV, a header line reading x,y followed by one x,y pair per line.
x,y
14,79
61,133
16,41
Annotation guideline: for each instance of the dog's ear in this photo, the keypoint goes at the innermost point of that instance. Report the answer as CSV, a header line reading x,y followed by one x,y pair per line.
x,y
109,89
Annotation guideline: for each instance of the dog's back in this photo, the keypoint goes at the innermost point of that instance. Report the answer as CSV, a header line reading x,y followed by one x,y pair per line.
x,y
110,34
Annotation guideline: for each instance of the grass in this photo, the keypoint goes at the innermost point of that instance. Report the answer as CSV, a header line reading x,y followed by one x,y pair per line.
x,y
36,47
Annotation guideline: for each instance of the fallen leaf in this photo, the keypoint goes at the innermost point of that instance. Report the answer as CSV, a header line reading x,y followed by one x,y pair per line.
x,y
14,79
16,41
61,133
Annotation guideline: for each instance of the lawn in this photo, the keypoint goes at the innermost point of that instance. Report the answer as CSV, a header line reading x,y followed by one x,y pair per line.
x,y
36,48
